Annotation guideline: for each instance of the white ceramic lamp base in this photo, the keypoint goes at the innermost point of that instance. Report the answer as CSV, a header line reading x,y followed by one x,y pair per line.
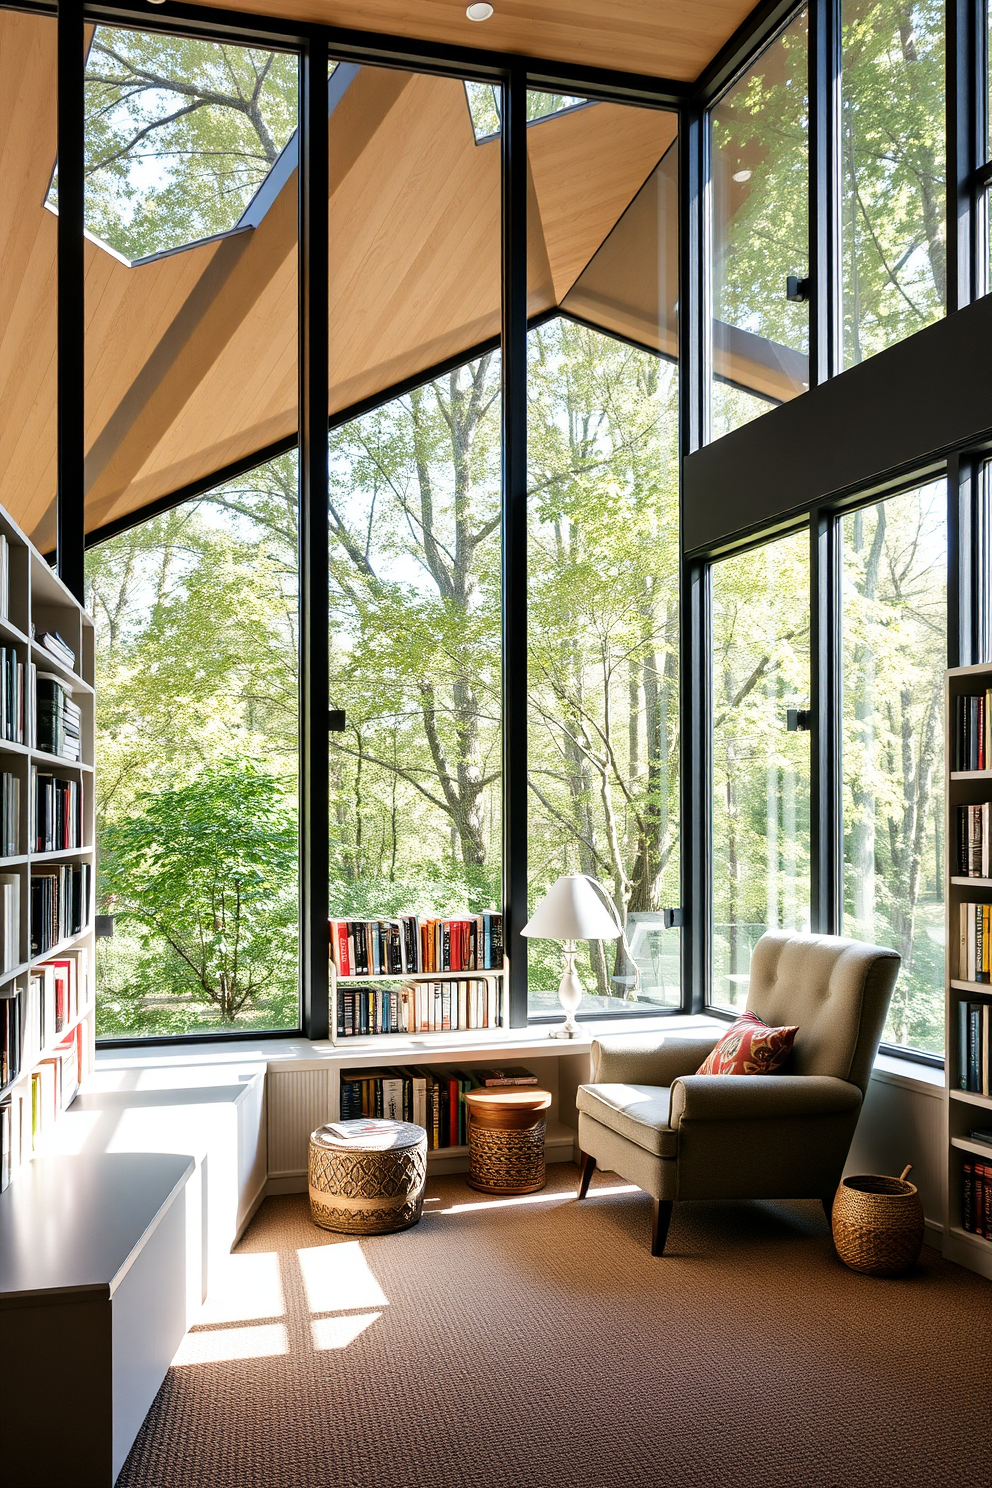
x,y
569,995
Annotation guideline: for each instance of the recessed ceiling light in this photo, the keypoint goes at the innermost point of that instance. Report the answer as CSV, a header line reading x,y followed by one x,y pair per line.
x,y
479,12
742,176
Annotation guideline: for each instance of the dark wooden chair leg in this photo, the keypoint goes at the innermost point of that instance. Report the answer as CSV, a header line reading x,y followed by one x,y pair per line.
x,y
588,1168
659,1228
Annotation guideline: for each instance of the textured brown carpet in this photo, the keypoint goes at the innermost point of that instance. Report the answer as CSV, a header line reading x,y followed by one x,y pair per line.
x,y
536,1344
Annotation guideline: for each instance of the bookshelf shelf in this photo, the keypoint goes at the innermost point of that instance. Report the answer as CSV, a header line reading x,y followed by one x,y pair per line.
x,y
58,759
968,1144
963,788
971,1098
417,976
984,1246
34,883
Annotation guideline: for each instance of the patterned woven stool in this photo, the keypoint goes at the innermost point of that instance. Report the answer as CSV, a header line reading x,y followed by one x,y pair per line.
x,y
506,1139
367,1177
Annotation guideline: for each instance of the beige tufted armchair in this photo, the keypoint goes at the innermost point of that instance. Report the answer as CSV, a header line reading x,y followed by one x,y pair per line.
x,y
647,1116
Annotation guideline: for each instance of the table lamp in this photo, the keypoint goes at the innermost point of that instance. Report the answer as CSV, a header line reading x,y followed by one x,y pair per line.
x,y
572,910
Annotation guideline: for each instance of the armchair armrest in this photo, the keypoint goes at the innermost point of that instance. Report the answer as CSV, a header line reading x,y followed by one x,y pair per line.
x,y
649,1058
754,1097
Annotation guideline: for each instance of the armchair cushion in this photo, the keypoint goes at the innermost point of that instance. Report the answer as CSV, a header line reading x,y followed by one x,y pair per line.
x,y
649,1058
760,1097
637,1112
750,1047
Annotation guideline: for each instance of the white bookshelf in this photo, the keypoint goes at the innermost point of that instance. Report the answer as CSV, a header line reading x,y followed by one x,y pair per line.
x,y
38,601
964,1108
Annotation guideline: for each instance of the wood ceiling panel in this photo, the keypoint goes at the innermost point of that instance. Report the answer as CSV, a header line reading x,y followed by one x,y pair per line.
x,y
662,38
587,166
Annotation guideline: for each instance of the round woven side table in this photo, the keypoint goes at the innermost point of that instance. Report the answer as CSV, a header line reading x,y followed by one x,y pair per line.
x,y
367,1177
506,1139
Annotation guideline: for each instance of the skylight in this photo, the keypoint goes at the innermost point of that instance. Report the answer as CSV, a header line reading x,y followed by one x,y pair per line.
x,y
484,108
179,135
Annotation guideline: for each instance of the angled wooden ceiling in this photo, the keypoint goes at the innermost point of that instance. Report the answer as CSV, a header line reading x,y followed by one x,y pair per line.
x,y
191,356
662,38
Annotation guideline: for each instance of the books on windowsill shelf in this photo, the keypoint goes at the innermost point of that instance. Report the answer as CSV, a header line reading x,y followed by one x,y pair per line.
x,y
432,1098
57,725
411,945
454,1005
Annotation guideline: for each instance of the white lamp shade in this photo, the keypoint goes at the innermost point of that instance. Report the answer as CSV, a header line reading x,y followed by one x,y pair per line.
x,y
572,910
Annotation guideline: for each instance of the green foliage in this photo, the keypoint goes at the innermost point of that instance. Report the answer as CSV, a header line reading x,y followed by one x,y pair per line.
x,y
209,868
179,135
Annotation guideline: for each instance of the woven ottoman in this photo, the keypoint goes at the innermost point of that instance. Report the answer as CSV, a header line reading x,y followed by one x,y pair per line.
x,y
506,1139
367,1177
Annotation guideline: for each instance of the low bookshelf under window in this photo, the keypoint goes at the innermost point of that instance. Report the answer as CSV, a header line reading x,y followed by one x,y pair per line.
x,y
968,1229
413,975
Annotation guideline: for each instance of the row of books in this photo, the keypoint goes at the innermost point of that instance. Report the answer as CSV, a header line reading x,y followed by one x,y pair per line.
x,y
975,943
10,920
433,1098
410,944
976,1198
26,1115
972,725
60,904
975,840
13,722
421,1007
10,814
974,1029
34,1014
4,577
57,726
58,813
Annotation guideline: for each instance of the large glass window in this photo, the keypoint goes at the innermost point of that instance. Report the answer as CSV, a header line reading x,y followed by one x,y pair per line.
x,y
603,619
191,366
760,186
761,770
893,165
414,502
894,655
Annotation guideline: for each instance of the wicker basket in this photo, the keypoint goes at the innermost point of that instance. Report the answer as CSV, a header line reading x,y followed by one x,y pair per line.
x,y
878,1224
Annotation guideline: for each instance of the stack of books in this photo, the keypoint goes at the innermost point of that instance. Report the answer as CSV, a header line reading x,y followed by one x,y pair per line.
x,y
972,727
58,720
58,814
433,1098
974,1026
10,814
975,943
421,1007
411,944
60,904
57,647
11,696
974,838
976,1198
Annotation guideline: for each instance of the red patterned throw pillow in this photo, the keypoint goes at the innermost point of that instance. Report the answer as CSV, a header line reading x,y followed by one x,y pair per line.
x,y
749,1047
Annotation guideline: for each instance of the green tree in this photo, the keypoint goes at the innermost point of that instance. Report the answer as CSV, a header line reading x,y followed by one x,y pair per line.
x,y
204,868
